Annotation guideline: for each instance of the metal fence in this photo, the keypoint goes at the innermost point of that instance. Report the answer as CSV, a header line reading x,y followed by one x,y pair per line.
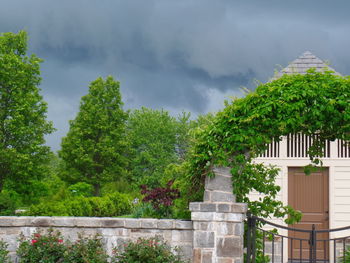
x,y
266,244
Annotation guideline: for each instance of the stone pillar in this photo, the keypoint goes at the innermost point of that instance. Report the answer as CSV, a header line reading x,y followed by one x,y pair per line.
x,y
218,222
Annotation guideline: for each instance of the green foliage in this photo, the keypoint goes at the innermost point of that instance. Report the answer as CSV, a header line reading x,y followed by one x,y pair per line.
x,y
116,204
81,189
152,250
93,150
152,142
41,248
23,124
85,250
314,103
4,258
144,210
346,257
9,201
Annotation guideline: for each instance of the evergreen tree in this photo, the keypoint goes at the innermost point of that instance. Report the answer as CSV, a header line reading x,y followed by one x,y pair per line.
x,y
93,150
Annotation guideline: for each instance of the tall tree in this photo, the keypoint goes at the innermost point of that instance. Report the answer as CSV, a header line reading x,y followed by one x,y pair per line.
x,y
156,140
93,150
23,121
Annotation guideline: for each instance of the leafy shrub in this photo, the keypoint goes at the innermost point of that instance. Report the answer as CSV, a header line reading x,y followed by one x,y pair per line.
x,y
4,258
152,250
86,250
144,210
48,209
81,189
116,204
9,201
161,198
41,248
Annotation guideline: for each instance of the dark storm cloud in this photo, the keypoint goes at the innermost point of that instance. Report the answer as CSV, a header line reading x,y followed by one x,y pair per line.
x,y
183,54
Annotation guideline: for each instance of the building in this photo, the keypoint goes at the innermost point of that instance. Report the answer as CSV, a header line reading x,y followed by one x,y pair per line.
x,y
324,196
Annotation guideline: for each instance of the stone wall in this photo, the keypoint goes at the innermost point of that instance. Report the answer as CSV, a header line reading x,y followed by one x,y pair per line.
x,y
214,234
114,231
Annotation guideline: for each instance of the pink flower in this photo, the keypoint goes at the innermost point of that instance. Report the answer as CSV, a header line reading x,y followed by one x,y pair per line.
x,y
60,241
34,241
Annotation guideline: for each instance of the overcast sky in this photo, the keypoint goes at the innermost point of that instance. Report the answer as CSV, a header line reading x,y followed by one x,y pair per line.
x,y
173,54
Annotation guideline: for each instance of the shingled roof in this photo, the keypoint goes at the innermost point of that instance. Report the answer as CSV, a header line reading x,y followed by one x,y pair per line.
x,y
303,63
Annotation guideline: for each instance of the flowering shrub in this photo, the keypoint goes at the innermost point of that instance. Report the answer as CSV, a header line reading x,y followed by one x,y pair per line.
x,y
51,248
4,258
152,250
161,198
41,248
86,250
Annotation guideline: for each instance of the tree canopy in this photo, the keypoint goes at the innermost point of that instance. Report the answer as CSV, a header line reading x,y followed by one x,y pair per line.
x,y
23,121
94,149
155,140
314,103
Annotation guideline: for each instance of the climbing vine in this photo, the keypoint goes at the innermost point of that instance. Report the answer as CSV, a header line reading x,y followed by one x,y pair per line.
x,y
314,103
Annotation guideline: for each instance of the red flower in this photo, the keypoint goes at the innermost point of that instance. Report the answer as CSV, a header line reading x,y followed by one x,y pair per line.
x,y
34,241
37,235
60,241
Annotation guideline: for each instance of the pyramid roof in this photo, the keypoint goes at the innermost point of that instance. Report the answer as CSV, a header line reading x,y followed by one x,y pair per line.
x,y
303,63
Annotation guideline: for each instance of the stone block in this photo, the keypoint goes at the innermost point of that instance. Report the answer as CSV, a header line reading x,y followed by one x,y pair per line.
x,y
229,247
224,208
186,250
112,222
65,221
222,170
224,228
41,221
239,229
21,221
194,206
149,223
203,239
197,255
207,207
222,197
132,223
207,196
165,224
182,235
182,224
232,217
219,183
6,221
207,257
88,222
239,208
202,216
225,260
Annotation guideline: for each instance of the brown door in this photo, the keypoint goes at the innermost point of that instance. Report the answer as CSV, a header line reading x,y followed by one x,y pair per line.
x,y
309,194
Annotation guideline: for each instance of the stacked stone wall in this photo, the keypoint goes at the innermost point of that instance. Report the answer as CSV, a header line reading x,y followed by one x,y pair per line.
x,y
114,231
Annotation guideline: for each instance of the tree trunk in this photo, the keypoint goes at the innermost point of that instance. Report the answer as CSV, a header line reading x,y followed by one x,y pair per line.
x,y
97,190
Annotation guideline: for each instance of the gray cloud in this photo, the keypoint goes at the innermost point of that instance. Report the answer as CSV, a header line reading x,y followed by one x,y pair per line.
x,y
184,54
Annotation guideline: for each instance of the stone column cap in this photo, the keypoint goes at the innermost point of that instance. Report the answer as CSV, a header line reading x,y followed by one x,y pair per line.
x,y
218,207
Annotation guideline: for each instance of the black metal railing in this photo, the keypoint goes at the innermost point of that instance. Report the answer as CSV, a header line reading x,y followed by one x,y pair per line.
x,y
301,245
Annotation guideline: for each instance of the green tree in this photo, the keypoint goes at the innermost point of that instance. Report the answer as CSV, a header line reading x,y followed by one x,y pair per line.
x,y
93,150
152,145
23,121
